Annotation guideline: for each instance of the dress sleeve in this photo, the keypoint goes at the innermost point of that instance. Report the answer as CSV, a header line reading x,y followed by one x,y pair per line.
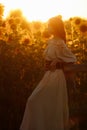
x,y
64,53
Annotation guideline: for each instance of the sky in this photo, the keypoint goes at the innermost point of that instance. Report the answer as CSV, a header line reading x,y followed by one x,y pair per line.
x,y
44,9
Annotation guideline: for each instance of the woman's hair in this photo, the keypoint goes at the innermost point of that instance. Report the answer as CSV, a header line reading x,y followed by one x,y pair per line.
x,y
57,26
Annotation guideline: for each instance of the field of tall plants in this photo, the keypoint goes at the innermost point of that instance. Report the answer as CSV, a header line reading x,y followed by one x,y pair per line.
x,y
22,64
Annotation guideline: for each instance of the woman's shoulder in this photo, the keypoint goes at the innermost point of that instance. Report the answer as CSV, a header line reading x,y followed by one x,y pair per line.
x,y
50,41
56,42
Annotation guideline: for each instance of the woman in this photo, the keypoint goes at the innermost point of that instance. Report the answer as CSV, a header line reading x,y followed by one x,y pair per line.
x,y
47,107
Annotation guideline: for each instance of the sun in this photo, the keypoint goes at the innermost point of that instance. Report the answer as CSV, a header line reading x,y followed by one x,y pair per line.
x,y
40,9
35,10
44,9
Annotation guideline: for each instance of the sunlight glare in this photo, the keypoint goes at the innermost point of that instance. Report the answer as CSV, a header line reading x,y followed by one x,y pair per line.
x,y
44,9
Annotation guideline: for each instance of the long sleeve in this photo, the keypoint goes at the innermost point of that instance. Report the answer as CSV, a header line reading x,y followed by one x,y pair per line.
x,y
64,53
58,50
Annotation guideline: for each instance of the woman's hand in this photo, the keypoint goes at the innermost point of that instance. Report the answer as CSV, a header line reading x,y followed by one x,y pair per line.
x,y
53,65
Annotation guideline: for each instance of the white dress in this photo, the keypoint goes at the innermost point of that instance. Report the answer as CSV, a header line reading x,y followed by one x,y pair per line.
x,y
47,107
